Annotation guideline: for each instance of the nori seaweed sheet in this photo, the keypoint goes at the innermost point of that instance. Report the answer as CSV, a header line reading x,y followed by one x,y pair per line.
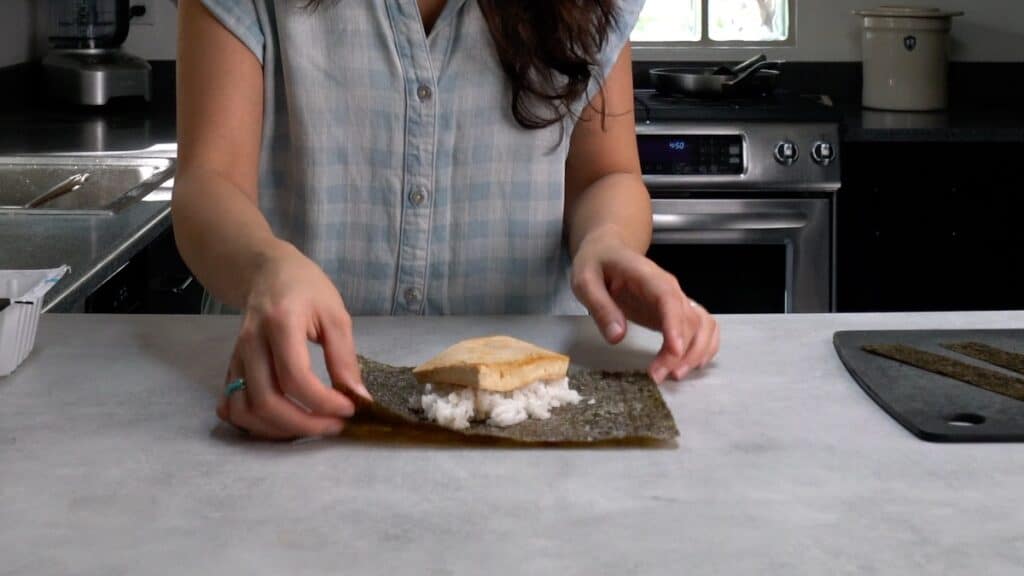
x,y
627,407
938,364
1012,361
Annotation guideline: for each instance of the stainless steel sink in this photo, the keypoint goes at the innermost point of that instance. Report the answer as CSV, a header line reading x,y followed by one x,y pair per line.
x,y
78,184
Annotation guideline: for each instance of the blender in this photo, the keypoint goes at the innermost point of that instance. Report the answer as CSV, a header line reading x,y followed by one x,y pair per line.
x,y
85,64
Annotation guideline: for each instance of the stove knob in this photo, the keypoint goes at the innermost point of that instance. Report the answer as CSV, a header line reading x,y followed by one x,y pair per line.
x,y
786,153
823,153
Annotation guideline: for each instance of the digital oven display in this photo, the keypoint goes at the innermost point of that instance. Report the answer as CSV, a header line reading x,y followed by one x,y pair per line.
x,y
706,154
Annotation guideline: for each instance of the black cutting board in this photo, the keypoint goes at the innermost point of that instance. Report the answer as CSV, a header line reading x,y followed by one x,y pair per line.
x,y
934,407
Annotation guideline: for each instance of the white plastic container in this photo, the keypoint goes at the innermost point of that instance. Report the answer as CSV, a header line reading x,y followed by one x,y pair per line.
x,y
18,322
906,57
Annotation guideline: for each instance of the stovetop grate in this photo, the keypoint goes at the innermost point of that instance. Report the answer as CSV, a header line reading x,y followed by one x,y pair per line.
x,y
777,106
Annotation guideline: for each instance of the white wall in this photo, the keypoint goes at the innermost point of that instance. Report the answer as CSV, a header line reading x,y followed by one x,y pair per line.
x,y
991,31
154,40
17,32
159,40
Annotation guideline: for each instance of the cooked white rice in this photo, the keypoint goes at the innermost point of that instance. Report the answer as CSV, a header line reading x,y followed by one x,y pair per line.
x,y
455,406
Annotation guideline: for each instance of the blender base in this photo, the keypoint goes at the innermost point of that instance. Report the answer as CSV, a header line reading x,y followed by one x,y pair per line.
x,y
92,77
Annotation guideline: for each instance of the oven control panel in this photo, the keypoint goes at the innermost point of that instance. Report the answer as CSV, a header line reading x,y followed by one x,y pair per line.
x,y
758,157
692,154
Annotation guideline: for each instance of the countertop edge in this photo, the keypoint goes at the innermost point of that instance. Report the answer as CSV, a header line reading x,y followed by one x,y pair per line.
x,y
854,134
64,299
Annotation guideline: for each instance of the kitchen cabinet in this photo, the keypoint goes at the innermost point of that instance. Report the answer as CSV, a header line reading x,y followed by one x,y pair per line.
x,y
930,226
155,281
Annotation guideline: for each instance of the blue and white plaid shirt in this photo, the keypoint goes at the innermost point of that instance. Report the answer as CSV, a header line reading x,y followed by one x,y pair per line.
x,y
392,159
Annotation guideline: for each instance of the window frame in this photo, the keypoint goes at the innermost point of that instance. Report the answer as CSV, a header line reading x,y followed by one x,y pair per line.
x,y
672,50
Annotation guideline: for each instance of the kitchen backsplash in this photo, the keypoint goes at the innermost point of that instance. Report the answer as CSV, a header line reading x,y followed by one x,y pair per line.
x,y
17,21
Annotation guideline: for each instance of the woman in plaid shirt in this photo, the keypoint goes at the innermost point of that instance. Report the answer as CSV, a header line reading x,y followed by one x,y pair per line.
x,y
344,157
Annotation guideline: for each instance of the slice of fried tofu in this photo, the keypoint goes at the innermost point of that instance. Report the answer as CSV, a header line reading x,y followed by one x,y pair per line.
x,y
493,363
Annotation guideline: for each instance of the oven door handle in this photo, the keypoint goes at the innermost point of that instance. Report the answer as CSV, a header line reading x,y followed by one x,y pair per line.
x,y
697,222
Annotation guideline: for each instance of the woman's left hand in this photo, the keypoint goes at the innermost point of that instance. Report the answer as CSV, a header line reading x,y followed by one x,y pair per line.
x,y
618,284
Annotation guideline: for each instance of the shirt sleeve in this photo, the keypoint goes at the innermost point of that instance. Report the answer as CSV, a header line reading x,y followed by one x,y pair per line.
x,y
628,14
241,19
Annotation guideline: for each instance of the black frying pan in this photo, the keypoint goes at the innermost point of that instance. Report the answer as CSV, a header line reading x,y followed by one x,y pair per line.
x,y
705,81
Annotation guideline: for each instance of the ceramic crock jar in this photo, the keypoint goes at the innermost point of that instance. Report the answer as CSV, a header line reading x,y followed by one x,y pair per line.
x,y
906,57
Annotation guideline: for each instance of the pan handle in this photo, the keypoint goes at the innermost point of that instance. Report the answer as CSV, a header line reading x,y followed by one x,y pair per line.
x,y
755,61
754,69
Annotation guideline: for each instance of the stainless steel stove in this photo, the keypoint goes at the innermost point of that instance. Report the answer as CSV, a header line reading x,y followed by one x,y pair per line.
x,y
743,194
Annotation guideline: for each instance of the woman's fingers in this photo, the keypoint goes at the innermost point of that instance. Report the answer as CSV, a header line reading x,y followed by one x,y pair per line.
x,y
667,359
295,377
700,350
260,408
716,342
617,283
283,397
675,330
340,356
234,371
267,406
236,411
589,286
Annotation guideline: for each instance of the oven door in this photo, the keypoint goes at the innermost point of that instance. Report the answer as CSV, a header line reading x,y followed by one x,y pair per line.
x,y
749,255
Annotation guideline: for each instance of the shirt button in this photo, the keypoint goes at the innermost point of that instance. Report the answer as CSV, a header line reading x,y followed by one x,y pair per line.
x,y
412,297
424,92
417,196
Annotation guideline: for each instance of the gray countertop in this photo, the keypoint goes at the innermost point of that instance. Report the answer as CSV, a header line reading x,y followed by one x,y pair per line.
x,y
962,125
112,461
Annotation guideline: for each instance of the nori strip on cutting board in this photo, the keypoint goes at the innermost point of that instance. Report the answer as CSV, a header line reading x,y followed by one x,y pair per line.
x,y
1012,361
938,364
627,407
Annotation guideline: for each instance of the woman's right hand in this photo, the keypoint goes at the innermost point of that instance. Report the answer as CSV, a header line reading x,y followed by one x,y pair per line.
x,y
291,301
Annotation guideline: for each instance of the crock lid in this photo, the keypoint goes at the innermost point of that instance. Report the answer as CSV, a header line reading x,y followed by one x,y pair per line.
x,y
907,12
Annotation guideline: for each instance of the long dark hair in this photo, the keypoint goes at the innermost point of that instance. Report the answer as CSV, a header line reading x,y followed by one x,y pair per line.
x,y
548,50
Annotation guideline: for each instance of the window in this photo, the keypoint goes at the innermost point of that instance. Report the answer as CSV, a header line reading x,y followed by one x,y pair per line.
x,y
715,22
